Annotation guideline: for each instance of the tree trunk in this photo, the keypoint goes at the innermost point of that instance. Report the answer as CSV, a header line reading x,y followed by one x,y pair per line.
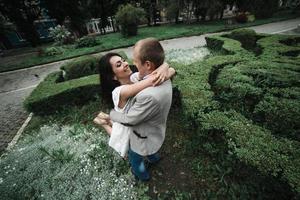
x,y
30,33
176,17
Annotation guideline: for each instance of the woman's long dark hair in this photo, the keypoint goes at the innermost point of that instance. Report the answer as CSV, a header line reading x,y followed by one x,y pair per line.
x,y
107,81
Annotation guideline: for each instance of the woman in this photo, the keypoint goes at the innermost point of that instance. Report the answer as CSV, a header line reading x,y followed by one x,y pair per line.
x,y
119,84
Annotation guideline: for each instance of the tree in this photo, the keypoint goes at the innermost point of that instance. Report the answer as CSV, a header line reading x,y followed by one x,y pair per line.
x,y
128,17
150,7
261,9
102,9
69,12
4,27
173,9
23,13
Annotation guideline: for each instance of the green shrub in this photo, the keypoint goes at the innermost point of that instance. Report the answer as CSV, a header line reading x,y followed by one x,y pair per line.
x,y
241,81
241,17
172,11
261,9
264,9
284,112
243,85
75,85
51,95
271,74
256,146
128,17
274,46
52,51
86,41
227,46
247,37
61,35
80,67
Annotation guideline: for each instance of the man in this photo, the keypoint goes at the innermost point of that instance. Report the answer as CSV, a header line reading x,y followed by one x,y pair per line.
x,y
148,112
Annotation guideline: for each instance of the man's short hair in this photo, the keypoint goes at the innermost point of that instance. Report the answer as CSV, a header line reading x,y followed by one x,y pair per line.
x,y
151,50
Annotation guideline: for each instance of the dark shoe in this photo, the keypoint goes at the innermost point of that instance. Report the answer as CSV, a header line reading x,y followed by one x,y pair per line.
x,y
137,179
150,164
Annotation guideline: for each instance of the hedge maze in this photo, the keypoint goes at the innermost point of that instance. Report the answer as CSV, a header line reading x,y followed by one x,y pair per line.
x,y
75,84
249,97
246,98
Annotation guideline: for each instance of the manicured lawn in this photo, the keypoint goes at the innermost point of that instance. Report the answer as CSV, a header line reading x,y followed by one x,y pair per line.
x,y
115,40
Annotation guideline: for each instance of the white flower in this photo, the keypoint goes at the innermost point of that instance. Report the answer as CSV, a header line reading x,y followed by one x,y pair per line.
x,y
1,180
187,56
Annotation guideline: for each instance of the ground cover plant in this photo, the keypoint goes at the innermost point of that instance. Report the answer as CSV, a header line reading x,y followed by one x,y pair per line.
x,y
90,45
222,142
66,159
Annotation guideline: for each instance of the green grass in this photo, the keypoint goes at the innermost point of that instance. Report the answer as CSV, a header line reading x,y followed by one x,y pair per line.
x,y
115,40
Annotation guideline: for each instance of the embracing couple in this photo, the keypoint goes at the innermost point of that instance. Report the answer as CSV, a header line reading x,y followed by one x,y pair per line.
x,y
142,101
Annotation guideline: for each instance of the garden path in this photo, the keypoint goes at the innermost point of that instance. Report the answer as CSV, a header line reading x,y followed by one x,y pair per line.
x,y
15,86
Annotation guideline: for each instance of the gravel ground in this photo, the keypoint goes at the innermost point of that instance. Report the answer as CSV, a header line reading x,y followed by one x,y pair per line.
x,y
12,115
15,86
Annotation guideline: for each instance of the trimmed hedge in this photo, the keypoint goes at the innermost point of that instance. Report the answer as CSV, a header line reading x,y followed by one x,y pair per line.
x,y
256,146
77,83
51,95
86,41
275,46
51,51
83,66
242,86
263,88
247,37
227,46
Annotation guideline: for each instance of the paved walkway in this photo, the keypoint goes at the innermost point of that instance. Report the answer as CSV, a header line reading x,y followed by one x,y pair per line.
x,y
15,86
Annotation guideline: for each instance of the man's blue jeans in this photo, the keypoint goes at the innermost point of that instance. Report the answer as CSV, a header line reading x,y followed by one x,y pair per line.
x,y
138,164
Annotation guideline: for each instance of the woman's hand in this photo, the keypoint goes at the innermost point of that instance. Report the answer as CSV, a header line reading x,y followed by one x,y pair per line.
x,y
161,74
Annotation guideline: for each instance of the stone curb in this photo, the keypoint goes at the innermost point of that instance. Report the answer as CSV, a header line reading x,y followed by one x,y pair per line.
x,y
19,133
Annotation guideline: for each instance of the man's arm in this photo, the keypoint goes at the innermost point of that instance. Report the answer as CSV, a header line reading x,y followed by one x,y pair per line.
x,y
143,109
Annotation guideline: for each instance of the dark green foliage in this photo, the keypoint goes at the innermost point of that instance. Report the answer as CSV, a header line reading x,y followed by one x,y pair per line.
x,y
86,41
80,67
128,17
227,46
247,37
51,51
241,17
75,85
262,131
115,40
261,9
59,155
51,95
256,146
281,115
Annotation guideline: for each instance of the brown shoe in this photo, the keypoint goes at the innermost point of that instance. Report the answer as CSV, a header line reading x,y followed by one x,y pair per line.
x,y
103,115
